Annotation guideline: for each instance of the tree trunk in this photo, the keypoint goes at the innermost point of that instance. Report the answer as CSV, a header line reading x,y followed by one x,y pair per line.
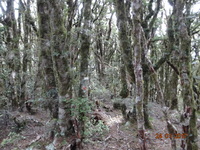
x,y
84,52
25,60
167,87
13,55
137,33
46,56
189,125
59,49
173,44
125,42
174,89
147,123
124,87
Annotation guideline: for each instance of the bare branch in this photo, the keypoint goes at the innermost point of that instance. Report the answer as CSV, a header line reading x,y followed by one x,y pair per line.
x,y
173,67
102,8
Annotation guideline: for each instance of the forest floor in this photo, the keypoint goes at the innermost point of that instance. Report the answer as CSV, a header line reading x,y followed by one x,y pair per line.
x,y
120,135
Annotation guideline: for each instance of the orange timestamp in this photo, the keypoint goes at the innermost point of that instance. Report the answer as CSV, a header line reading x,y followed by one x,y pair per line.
x,y
167,135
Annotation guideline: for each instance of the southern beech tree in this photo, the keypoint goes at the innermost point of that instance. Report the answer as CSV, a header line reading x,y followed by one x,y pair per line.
x,y
60,38
70,50
139,85
189,123
84,49
12,56
45,52
85,53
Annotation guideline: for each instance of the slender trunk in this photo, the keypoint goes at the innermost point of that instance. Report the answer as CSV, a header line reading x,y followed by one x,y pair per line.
x,y
125,42
124,88
173,44
84,52
145,105
167,87
137,33
174,93
13,56
25,59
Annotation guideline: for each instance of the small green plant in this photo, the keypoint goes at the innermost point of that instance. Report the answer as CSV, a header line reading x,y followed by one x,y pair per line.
x,y
79,107
12,137
151,119
95,130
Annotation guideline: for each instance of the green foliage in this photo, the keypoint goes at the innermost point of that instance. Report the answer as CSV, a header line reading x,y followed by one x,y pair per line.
x,y
95,130
54,53
80,106
3,101
12,137
151,119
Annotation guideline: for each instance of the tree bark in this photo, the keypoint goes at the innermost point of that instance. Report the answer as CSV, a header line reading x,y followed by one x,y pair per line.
x,y
46,56
125,41
60,54
13,55
147,123
124,86
189,125
84,52
137,33
24,95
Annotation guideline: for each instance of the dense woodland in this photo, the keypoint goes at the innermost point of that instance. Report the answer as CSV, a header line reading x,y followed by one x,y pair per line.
x,y
99,74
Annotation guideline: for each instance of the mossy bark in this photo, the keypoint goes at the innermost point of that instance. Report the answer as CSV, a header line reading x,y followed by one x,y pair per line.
x,y
167,85
124,87
172,45
60,50
100,54
173,92
125,41
137,36
147,122
190,127
46,56
84,51
26,43
13,54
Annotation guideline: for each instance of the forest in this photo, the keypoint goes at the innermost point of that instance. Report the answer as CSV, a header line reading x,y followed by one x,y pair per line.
x,y
99,75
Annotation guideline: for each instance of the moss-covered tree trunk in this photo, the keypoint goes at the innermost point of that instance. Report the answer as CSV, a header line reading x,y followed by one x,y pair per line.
x,y
125,40
25,59
174,89
167,85
46,56
137,36
171,95
85,54
60,54
124,87
100,54
85,47
13,55
146,101
189,124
